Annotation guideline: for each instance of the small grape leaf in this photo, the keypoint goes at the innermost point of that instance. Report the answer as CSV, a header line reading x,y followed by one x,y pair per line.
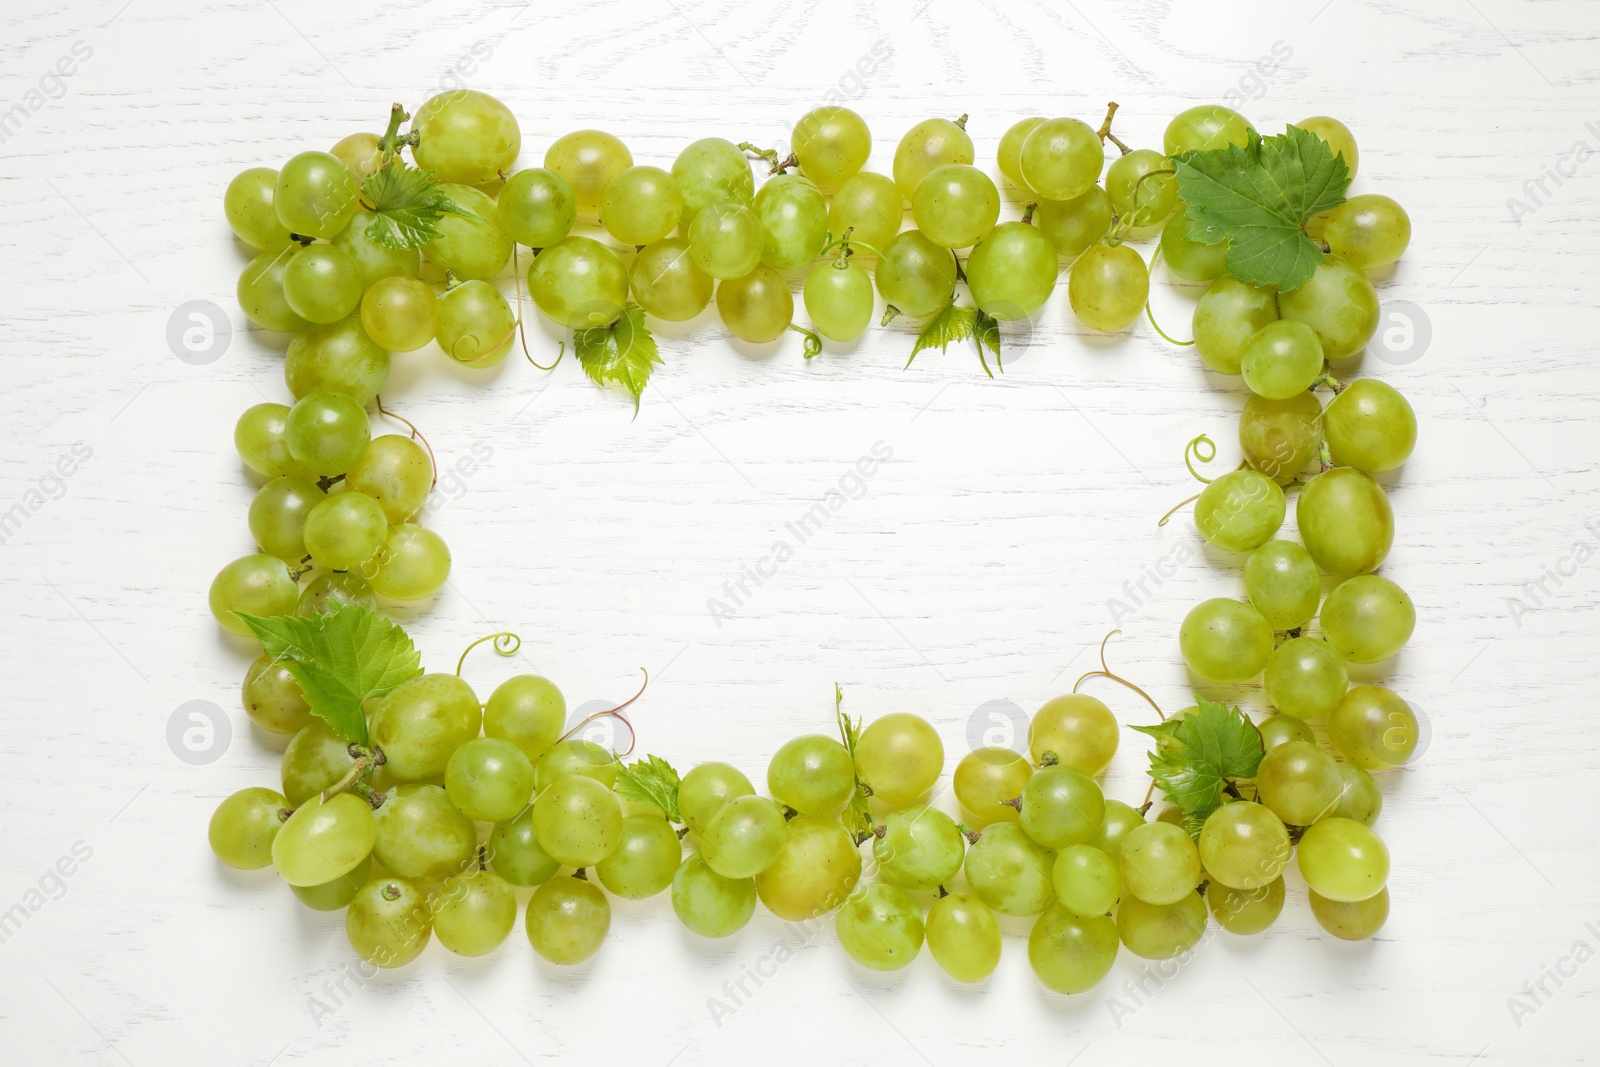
x,y
1259,198
409,203
986,332
857,815
340,660
651,780
1200,753
623,352
948,325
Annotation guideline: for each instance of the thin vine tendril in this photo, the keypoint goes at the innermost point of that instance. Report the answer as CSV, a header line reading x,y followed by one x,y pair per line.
x,y
1150,314
615,713
416,434
1105,671
1199,451
506,643
522,331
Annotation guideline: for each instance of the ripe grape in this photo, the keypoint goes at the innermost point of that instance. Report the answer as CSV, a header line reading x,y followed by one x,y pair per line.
x,y
1075,225
1339,303
839,299
272,698
421,721
1243,845
278,515
469,247
1160,864
1245,911
1087,880
1370,426
567,919
326,432
361,152
1278,730
315,195
314,760
412,564
1010,151
578,821
337,357
1161,931
880,927
394,471
1280,438
1343,860
244,826
1345,521
745,837
756,308
818,867
1373,728
988,777
324,839
1281,359
1298,782
1368,618
1070,952
916,275
1205,128
1142,200
1061,806
576,756
955,205
1010,871
868,207
248,207
812,774
963,936
1191,260
527,710
1077,729
641,205
646,858
488,779
475,325
536,208
930,143
260,292
1118,823
587,160
794,217
899,756
473,912
668,283
1283,585
1360,800
330,591
1350,920
1370,231
579,283
337,894
831,144
918,848
399,314
1013,271
726,240
712,171
1226,317
375,261
258,437
1337,136
1108,286
421,835
1061,158
1225,641
708,903
466,136
1239,510
252,585
389,922
344,530
1306,678
515,854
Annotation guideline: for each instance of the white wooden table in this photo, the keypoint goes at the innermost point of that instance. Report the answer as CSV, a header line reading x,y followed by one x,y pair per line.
x,y
976,566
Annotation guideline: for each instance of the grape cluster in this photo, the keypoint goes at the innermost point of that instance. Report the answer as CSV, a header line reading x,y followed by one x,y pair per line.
x,y
394,830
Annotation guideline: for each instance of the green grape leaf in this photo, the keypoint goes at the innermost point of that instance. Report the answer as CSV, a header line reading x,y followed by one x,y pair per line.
x,y
340,660
1200,753
1259,198
986,331
948,325
409,203
857,815
623,352
651,781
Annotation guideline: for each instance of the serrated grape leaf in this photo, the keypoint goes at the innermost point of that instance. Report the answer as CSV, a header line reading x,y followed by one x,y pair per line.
x,y
1199,753
986,331
409,203
623,352
651,780
948,325
340,660
1259,198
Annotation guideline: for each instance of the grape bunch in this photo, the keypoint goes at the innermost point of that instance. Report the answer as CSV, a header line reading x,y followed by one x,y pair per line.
x,y
424,812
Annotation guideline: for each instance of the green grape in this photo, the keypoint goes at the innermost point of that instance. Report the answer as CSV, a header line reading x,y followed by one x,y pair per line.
x,y
1306,678
1078,730
839,298
527,710
1280,438
1368,618
668,283
712,171
1337,136
869,208
726,240
399,314
1087,880
1061,159
1281,359
1239,511
1108,286
1225,641
324,839
794,219
756,308
1368,231
745,837
1373,728
337,357
1160,864
579,283
337,894
396,472
1351,920
1069,952
315,195
258,437
1074,226
567,919
326,432
412,564
315,759
473,912
375,261
1013,271
421,721
536,208
818,867
1360,799
421,834
988,777
361,152
641,205
1161,931
646,858
248,206
466,136
272,698
880,927
831,144
1338,303
964,937
278,515
332,590
1226,317
1191,260
1204,129
1010,152
955,205
812,774
1283,585
916,275
252,585
1010,871
1245,911
578,821
475,325
389,922
1278,730
704,791
1343,860
488,779
588,160
515,855
1244,846
929,144
576,757
344,530
244,826
469,247
1139,190
260,292
1345,521
708,903
1370,426
1298,782
1119,821
900,756
918,848
1061,806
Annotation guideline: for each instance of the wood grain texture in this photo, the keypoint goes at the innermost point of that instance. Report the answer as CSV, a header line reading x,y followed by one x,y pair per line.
x,y
975,566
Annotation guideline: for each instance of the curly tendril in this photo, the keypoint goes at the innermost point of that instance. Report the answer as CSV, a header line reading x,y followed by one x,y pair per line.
x,y
1105,671
522,331
1205,450
1149,312
416,435
614,713
506,643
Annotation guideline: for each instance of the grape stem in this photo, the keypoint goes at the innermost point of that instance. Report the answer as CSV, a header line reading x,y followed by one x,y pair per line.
x,y
1105,671
1027,213
391,142
1014,802
506,643
615,713
890,313
775,163
813,343
961,123
1324,457
1327,378
352,778
581,874
416,434
1105,134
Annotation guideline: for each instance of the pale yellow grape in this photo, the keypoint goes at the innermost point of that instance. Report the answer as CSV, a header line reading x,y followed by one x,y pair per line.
x,y
1337,136
1339,303
315,195
918,848
361,152
337,357
1345,521
1278,730
1373,728
1244,845
422,835
710,904
579,756
641,205
489,779
1245,911
1205,128
1061,158
466,136
955,205
1010,151
473,912
899,756
815,872
1350,920
252,585
326,432
258,437
421,721
1368,618
396,472
756,308
746,837
1160,864
839,299
579,283
1239,510
324,839
260,292
1283,585
1370,231
880,926
315,759
1161,931
1360,800
869,207
646,858
712,171
916,275
567,920
1139,191
1281,360
1280,438
812,774
587,160
1306,678
1071,953
1191,260
536,208
930,143
1298,782
1343,860
1370,426
272,698
373,260
332,590
244,826
668,283
389,922
704,791
1075,225
1087,880
529,711
831,144
345,529
1108,286
1010,871
1061,806
986,778
412,564
475,325
1225,641
578,821
278,516
1227,316
247,203
469,247
726,240
963,937
794,218
400,314
515,854
1012,271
